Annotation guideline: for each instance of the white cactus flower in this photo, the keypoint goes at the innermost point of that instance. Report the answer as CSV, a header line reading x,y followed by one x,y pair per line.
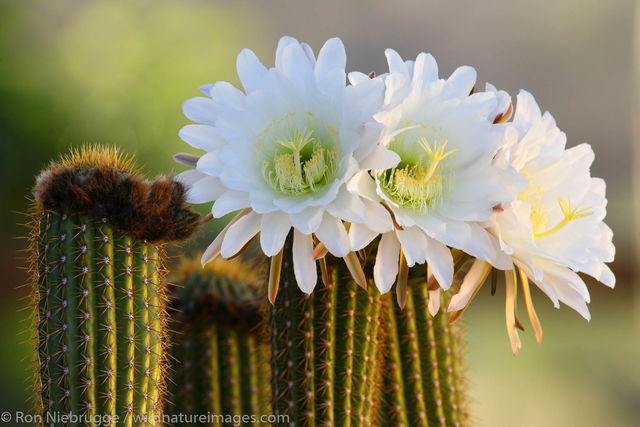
x,y
555,228
283,150
447,182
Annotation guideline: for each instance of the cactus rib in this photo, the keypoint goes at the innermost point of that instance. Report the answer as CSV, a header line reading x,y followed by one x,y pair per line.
x,y
323,349
423,382
97,285
218,355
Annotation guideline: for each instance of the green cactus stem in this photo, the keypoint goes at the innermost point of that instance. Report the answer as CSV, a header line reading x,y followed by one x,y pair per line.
x,y
99,298
324,348
423,382
219,354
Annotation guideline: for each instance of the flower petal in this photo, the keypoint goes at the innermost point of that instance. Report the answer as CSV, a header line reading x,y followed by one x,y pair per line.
x,y
360,236
283,43
210,163
200,110
396,64
357,77
228,202
414,245
333,235
309,52
332,55
380,158
189,177
462,80
348,207
239,234
509,308
202,137
387,258
205,190
304,267
434,302
570,297
213,250
186,159
228,96
378,217
363,184
566,275
425,70
370,133
250,70
440,261
527,112
329,71
274,230
470,284
308,220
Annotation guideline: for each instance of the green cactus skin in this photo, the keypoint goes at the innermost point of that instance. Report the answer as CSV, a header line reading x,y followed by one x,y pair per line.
x,y
423,382
97,230
101,320
219,354
324,348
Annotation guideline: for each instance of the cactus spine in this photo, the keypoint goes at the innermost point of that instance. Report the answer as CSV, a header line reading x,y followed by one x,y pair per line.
x,y
219,353
98,291
423,384
324,349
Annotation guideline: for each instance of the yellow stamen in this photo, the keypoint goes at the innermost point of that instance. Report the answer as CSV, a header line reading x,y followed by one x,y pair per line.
x,y
569,214
533,196
420,180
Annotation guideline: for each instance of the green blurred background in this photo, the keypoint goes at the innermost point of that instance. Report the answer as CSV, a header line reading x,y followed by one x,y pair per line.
x,y
117,72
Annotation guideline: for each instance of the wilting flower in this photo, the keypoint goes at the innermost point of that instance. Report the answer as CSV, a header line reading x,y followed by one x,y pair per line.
x,y
447,182
283,150
555,228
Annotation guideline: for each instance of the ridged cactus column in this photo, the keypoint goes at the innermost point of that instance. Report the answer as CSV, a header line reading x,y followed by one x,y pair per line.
x,y
97,265
423,383
324,348
220,353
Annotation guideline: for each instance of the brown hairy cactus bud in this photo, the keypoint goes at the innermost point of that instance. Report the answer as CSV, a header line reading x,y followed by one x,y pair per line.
x,y
220,350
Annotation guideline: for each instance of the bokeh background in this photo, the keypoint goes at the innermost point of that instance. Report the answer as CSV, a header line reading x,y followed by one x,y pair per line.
x,y
115,71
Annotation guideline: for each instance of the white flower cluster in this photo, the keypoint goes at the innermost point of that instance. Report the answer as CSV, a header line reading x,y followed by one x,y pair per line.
x,y
430,165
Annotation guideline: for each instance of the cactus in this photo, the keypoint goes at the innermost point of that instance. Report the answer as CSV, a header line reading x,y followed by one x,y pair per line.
x,y
219,354
97,267
324,348
423,384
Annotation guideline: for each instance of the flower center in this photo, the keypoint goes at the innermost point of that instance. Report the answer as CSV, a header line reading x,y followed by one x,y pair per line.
x,y
422,177
538,216
299,158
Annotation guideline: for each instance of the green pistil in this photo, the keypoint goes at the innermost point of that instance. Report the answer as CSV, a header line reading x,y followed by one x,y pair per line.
x,y
421,178
301,163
